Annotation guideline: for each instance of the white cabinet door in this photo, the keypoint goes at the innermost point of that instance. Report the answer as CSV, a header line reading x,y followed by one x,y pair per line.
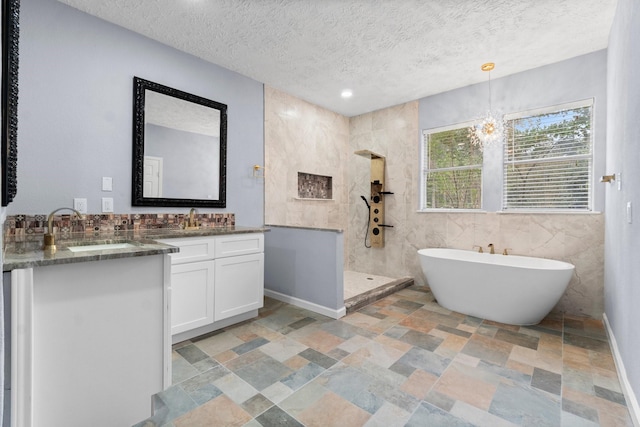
x,y
239,285
191,295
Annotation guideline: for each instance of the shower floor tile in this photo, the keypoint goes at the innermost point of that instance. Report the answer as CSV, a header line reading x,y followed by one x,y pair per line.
x,y
356,283
362,289
400,361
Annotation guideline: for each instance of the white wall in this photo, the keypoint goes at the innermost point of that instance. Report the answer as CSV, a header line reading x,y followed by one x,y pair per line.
x,y
75,112
622,239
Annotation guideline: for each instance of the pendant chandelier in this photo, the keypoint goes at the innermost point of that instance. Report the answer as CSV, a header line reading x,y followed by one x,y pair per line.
x,y
490,130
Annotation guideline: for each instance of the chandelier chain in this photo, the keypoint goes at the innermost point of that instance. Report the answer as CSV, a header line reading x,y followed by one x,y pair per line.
x,y
490,109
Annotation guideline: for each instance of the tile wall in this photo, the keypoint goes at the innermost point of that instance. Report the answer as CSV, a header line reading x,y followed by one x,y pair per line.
x,y
301,137
312,186
23,226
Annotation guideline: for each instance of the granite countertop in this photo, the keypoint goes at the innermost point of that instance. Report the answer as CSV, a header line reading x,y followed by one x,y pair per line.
x,y
168,233
27,252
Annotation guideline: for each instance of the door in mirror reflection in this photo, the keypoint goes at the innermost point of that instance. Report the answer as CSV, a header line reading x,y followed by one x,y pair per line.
x,y
152,176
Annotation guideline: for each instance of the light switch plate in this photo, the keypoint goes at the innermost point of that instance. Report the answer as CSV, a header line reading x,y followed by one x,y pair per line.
x,y
107,204
80,205
107,183
619,179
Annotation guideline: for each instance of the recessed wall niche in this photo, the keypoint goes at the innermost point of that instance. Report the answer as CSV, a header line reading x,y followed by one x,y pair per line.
x,y
312,186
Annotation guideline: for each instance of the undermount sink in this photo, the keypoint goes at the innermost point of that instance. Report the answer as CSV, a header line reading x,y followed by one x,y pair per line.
x,y
101,247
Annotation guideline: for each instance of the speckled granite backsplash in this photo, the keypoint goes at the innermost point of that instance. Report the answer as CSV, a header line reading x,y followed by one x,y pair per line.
x,y
17,226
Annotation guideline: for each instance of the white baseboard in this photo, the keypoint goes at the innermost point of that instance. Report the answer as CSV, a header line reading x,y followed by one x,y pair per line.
x,y
629,395
307,305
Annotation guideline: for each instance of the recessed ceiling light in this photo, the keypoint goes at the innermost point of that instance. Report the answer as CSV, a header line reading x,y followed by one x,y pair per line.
x,y
347,93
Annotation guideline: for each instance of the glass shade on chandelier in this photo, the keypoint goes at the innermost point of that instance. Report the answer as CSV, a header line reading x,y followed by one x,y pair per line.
x,y
490,130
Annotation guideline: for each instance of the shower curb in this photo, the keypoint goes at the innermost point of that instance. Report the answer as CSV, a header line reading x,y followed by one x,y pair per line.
x,y
357,302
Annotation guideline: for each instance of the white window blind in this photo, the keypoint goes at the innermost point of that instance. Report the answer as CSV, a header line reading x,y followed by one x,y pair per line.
x,y
451,170
548,160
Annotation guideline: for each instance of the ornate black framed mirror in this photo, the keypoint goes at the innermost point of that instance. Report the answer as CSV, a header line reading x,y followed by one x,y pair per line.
x,y
179,148
10,35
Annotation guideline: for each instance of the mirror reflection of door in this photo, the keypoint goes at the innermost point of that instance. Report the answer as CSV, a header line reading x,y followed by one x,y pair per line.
x,y
152,176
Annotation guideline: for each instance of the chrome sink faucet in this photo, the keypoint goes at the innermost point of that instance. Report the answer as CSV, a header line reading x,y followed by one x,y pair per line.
x,y
49,238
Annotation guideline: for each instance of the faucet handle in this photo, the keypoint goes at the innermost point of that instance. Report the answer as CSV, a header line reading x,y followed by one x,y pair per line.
x,y
479,248
504,252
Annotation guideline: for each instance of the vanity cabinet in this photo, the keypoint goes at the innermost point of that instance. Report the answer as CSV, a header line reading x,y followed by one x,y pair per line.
x,y
215,282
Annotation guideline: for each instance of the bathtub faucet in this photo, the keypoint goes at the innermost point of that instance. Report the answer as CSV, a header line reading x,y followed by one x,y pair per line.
x,y
491,249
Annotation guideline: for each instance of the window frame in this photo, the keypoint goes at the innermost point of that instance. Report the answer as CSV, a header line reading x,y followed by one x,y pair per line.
x,y
424,169
585,103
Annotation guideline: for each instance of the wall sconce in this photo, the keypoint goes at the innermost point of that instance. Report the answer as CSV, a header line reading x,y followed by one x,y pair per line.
x,y
258,171
608,178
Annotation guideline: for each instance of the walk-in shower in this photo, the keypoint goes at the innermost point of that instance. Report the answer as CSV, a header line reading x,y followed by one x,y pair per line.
x,y
364,288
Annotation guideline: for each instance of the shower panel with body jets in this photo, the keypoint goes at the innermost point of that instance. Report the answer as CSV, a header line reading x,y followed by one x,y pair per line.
x,y
375,204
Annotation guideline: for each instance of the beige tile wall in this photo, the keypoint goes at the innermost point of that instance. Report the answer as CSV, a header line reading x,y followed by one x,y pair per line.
x,y
301,137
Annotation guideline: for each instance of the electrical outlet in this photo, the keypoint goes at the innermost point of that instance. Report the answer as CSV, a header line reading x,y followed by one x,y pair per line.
x,y
80,205
107,204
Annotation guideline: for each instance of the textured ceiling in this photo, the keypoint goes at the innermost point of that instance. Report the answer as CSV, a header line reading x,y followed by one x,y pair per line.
x,y
387,52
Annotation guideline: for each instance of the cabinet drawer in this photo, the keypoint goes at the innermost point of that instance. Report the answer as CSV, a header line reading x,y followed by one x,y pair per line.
x,y
191,249
239,244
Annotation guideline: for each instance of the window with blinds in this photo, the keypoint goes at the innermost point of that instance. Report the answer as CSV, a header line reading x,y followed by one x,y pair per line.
x,y
548,158
451,170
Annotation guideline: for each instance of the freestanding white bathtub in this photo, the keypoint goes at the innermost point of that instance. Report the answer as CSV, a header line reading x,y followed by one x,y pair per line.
x,y
504,288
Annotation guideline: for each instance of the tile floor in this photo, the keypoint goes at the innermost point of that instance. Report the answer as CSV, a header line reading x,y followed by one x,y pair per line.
x,y
401,361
